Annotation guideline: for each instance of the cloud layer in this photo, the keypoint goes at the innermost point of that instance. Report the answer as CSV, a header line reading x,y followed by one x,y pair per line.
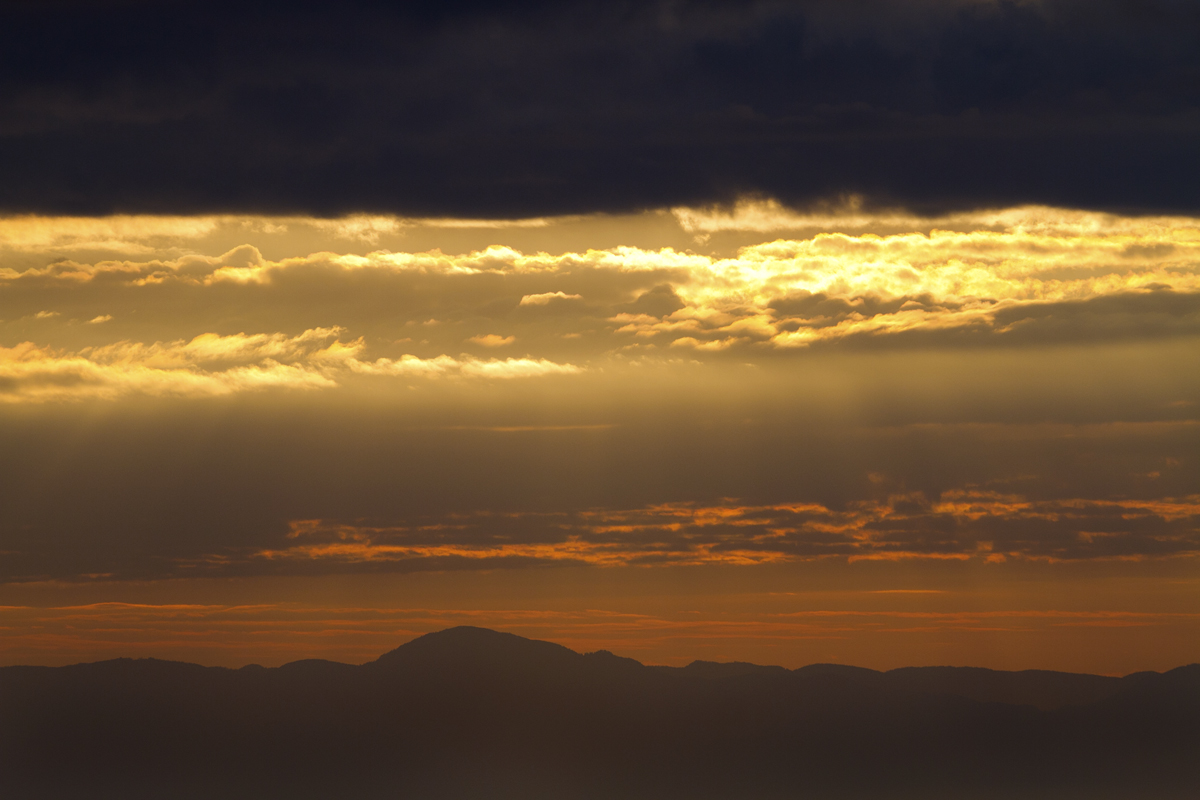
x,y
961,524
501,109
210,365
1023,277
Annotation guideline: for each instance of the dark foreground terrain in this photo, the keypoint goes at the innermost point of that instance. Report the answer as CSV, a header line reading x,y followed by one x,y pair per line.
x,y
471,713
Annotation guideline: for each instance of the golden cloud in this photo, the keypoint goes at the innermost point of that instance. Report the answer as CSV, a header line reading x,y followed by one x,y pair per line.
x,y
445,366
32,374
212,365
492,340
988,272
544,298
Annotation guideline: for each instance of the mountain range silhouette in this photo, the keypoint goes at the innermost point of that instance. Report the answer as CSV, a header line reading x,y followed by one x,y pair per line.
x,y
474,713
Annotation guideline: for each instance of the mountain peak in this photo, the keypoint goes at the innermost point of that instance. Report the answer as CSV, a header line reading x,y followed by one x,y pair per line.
x,y
469,647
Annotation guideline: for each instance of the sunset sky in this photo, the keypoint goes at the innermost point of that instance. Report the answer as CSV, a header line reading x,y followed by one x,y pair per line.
x,y
788,332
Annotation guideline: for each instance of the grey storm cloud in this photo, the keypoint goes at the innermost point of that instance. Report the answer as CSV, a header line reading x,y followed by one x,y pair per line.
x,y
508,109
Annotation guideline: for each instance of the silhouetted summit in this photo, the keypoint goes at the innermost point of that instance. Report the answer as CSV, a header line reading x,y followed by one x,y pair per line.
x,y
470,649
469,712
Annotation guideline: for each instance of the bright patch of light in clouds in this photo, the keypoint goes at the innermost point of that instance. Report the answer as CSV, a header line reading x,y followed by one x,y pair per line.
x,y
545,297
1015,274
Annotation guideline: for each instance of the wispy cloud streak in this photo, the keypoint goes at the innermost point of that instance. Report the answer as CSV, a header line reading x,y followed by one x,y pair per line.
x,y
960,525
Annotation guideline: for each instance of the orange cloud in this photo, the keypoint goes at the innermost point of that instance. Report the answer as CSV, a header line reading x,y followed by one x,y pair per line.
x,y
961,525
493,340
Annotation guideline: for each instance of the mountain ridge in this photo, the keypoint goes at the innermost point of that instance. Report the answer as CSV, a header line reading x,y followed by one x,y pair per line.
x,y
470,647
469,712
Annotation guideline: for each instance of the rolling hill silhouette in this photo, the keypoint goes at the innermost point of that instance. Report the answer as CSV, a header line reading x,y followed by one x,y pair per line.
x,y
473,713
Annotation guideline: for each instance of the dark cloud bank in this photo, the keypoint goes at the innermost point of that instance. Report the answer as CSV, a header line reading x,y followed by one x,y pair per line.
x,y
504,109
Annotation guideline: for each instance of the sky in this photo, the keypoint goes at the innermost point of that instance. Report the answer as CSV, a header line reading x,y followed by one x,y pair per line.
x,y
859,332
